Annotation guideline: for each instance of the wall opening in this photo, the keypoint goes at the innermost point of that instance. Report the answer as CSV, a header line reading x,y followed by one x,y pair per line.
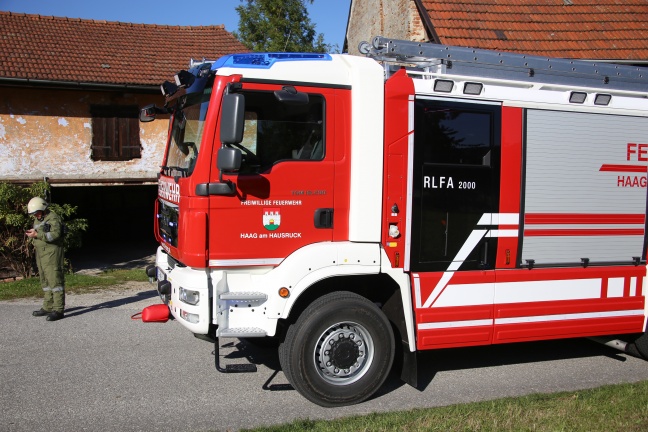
x,y
120,220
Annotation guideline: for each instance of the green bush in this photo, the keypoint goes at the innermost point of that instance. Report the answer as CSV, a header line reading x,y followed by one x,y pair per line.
x,y
16,250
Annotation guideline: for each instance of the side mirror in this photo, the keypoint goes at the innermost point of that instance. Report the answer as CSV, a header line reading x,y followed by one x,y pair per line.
x,y
232,119
228,159
147,114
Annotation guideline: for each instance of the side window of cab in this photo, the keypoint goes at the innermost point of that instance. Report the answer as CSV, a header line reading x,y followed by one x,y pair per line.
x,y
277,132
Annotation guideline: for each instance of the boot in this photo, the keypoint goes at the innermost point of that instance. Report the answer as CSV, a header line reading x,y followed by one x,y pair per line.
x,y
41,312
54,316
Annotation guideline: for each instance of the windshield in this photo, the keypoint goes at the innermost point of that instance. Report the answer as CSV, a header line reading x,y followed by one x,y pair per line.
x,y
186,134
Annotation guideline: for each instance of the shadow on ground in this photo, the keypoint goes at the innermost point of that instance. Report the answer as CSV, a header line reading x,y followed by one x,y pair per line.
x,y
80,310
432,362
91,260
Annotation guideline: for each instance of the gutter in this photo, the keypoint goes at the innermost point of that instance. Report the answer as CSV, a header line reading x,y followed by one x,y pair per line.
x,y
139,181
631,62
31,82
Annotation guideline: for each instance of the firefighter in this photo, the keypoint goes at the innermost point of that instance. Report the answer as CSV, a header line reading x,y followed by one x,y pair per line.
x,y
47,235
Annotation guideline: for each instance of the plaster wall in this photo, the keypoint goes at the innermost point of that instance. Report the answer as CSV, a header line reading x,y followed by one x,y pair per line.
x,y
396,19
48,133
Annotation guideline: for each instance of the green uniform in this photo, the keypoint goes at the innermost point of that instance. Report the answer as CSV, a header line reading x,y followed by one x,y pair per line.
x,y
49,259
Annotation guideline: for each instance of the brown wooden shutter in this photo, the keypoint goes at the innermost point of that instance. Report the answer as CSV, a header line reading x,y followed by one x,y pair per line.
x,y
115,132
129,138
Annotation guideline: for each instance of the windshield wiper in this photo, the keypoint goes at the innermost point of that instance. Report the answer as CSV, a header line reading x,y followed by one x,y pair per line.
x,y
168,170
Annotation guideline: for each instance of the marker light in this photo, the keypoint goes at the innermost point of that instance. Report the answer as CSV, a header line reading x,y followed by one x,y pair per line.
x,y
284,292
472,88
184,79
192,318
168,88
444,86
577,97
602,99
265,60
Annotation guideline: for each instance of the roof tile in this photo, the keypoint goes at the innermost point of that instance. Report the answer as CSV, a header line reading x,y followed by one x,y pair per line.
x,y
606,29
104,52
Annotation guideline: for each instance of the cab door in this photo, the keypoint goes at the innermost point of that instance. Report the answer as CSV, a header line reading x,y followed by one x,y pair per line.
x,y
284,198
455,198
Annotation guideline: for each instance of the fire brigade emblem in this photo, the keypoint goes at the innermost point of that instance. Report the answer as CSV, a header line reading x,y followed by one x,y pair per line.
x,y
271,218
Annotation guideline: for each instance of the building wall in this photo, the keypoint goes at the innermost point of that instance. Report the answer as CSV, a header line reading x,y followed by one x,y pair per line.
x,y
396,19
48,133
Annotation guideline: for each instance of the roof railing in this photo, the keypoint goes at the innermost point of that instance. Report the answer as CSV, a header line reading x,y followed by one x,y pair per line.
x,y
507,66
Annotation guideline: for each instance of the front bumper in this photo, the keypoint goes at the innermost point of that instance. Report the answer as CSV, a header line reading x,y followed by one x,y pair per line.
x,y
172,279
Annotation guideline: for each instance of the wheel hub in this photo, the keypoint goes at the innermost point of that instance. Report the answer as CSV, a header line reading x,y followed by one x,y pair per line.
x,y
343,353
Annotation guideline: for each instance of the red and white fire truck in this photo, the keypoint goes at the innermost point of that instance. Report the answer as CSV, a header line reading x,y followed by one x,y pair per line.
x,y
353,209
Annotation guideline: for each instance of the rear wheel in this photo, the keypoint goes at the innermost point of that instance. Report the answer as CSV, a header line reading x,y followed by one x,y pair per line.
x,y
642,345
340,350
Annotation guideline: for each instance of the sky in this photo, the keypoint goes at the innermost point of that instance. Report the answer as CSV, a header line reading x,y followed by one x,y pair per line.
x,y
329,16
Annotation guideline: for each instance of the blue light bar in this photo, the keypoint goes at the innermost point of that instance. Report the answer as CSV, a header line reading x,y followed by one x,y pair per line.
x,y
264,60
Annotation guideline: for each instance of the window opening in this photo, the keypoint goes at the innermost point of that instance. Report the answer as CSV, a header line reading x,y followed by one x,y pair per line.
x,y
187,130
456,156
276,132
115,133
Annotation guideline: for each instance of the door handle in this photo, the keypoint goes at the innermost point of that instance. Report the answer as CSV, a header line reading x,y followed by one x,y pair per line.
x,y
323,218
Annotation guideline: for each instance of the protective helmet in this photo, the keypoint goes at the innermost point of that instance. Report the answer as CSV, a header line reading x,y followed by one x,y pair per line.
x,y
35,204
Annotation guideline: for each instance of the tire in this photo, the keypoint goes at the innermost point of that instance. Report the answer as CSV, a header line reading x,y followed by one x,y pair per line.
x,y
642,345
360,355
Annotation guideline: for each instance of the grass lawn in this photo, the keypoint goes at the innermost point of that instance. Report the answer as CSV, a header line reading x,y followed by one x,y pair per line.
x,y
622,407
74,283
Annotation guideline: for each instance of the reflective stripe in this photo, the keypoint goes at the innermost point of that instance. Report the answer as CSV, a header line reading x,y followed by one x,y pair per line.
x,y
47,289
529,319
245,262
57,289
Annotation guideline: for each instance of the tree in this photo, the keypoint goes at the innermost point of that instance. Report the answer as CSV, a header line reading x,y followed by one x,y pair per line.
x,y
16,250
278,26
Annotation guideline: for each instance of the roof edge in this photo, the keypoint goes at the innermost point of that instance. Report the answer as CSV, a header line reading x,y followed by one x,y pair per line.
x,y
429,26
30,82
122,23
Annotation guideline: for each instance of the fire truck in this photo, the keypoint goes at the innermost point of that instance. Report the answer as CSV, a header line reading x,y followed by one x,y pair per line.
x,y
354,210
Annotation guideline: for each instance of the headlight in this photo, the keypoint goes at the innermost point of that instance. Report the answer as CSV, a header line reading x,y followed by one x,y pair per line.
x,y
189,296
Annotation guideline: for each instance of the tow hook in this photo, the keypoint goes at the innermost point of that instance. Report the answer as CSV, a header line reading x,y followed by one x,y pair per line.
x,y
151,272
164,287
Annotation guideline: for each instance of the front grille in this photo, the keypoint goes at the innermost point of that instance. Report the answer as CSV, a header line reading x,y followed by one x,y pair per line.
x,y
168,222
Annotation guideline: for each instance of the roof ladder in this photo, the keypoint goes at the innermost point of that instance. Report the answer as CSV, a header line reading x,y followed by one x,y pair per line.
x,y
508,66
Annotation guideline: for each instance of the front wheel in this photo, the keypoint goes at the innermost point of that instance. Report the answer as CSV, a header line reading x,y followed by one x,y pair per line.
x,y
340,350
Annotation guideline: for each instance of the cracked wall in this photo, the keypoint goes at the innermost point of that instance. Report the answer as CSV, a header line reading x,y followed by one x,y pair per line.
x,y
48,133
394,19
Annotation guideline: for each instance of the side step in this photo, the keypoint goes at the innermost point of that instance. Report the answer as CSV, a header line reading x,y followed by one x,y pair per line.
x,y
235,333
242,332
244,296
